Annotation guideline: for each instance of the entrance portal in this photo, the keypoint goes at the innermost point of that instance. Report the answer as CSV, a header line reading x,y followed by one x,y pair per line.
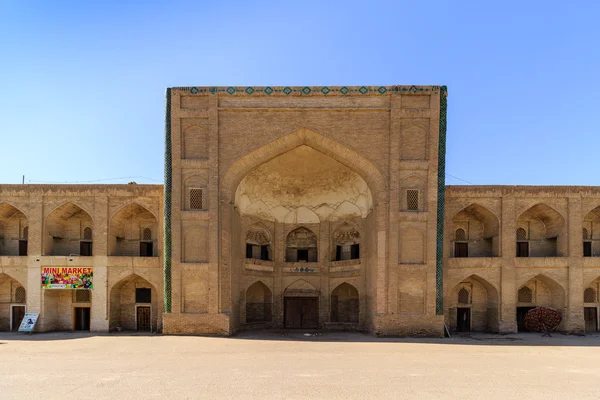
x,y
590,315
301,312
82,318
18,312
143,314
463,320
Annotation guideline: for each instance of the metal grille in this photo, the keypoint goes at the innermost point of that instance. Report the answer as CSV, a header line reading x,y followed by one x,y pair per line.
x,y
167,205
87,233
460,235
589,295
82,296
521,234
463,296
412,200
585,233
147,234
196,199
525,295
439,262
25,232
20,295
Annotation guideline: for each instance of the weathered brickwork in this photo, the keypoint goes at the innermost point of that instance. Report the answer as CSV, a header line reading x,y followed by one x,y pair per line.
x,y
302,207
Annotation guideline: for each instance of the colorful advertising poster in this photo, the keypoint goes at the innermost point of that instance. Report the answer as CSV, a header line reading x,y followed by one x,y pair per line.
x,y
67,278
28,322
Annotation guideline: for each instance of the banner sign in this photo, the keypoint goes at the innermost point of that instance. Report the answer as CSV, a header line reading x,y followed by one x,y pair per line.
x,y
28,323
67,278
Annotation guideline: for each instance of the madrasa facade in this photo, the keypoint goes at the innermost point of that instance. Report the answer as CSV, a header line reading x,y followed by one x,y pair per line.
x,y
300,208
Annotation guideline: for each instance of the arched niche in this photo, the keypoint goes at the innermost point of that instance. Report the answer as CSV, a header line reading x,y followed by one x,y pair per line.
x,y
475,232
591,233
472,305
14,231
539,291
259,242
545,230
301,245
134,305
345,304
259,303
345,242
64,231
133,232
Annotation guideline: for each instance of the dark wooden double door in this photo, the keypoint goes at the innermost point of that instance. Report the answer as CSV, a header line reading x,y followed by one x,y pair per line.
x,y
18,312
301,312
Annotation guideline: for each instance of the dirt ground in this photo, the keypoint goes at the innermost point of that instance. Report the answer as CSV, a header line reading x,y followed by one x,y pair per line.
x,y
280,365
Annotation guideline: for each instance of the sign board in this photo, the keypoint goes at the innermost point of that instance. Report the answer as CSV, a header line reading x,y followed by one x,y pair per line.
x,y
67,278
28,323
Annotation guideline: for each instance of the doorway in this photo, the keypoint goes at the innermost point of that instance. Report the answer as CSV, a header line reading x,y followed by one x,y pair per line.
x,y
521,311
16,316
463,320
590,315
143,315
82,318
301,312
146,249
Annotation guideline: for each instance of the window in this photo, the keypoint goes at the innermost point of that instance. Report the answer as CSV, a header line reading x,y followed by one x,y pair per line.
x,y
589,295
355,251
82,296
587,249
460,235
22,247
522,249
461,249
26,232
87,233
147,234
463,296
521,234
85,249
302,255
301,245
143,295
257,252
196,199
412,200
525,295
585,234
20,295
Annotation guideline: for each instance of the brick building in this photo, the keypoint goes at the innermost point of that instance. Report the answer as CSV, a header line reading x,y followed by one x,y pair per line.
x,y
302,207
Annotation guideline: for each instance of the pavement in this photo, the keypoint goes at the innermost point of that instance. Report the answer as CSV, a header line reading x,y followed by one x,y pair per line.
x,y
297,365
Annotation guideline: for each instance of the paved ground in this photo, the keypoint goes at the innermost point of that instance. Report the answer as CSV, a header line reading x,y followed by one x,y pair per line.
x,y
276,365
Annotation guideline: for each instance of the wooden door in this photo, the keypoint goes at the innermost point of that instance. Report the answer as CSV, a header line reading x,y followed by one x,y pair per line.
x,y
590,315
463,320
301,312
293,312
82,318
461,249
522,249
143,319
85,249
18,312
146,249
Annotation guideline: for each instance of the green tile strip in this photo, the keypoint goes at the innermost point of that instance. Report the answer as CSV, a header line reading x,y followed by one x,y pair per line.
x,y
439,262
167,206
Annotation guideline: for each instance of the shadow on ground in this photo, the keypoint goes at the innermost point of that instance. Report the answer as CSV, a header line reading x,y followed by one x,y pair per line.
x,y
474,339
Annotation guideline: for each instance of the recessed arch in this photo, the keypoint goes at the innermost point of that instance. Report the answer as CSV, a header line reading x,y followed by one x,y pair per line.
x,y
345,303
126,231
126,296
301,244
13,230
546,292
476,297
64,230
259,303
545,229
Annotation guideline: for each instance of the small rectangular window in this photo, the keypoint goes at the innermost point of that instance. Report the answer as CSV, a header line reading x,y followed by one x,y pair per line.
x,y
302,255
412,200
522,249
587,249
461,250
248,250
196,200
264,252
143,295
355,251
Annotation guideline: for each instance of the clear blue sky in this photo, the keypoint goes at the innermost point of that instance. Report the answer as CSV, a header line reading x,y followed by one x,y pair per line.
x,y
83,85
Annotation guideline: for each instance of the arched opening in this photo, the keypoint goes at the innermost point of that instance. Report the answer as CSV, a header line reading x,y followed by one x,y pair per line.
x,y
65,232
591,233
132,232
134,305
301,246
259,303
345,304
476,232
14,231
544,228
259,243
540,291
67,309
12,303
345,243
591,306
473,306
301,305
